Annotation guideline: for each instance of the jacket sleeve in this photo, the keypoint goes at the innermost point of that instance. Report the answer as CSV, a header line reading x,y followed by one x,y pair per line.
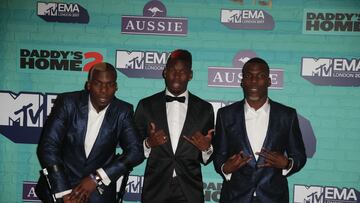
x,y
131,146
295,147
220,144
50,144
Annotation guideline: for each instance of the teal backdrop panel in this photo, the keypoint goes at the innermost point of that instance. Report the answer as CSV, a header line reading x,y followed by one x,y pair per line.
x,y
312,48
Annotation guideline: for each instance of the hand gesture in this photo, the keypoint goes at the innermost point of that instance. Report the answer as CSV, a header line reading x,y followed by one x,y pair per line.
x,y
200,141
155,138
273,159
82,191
235,162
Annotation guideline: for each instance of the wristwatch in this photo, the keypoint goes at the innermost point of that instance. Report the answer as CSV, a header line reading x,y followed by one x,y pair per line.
x,y
99,184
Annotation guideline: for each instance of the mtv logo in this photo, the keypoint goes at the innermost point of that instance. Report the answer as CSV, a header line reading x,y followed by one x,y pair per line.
x,y
308,194
321,67
130,60
22,110
47,9
230,16
135,184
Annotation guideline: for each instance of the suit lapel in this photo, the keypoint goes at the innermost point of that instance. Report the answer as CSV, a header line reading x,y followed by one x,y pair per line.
x,y
160,119
83,119
190,120
271,127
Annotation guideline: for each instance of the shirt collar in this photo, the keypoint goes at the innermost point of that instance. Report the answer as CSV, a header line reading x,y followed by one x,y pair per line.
x,y
264,108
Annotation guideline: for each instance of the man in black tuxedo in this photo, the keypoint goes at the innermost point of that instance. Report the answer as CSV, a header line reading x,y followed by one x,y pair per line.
x,y
257,142
172,124
79,140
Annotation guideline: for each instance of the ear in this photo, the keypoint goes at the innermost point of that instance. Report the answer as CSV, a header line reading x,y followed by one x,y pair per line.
x,y
164,73
191,75
269,82
87,85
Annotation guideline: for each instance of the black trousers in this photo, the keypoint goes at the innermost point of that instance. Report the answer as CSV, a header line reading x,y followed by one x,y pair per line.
x,y
176,194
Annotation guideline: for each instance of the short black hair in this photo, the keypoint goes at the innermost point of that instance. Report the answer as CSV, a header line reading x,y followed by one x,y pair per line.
x,y
256,60
102,67
180,55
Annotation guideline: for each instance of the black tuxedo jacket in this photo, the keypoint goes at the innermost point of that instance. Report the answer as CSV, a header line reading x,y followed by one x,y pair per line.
x,y
62,144
283,135
162,161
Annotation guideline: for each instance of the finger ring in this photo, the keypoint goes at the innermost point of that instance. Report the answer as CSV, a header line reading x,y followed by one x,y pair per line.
x,y
164,138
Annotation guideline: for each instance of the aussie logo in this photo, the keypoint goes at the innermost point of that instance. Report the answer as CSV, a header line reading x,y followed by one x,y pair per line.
x,y
331,22
28,194
331,71
58,60
154,22
324,194
247,19
23,115
231,76
62,12
141,64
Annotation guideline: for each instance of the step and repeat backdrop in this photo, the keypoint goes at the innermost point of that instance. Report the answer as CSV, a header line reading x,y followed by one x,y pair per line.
x,y
312,47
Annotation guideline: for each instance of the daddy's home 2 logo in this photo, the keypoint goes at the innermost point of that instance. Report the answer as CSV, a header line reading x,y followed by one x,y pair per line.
x,y
58,60
62,12
331,22
154,22
141,64
23,115
247,19
325,194
231,76
331,71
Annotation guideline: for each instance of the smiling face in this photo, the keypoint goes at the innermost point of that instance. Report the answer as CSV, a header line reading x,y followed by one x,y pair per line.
x,y
101,86
177,76
255,83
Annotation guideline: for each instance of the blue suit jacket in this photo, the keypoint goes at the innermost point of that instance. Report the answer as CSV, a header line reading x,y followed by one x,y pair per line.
x,y
283,135
62,144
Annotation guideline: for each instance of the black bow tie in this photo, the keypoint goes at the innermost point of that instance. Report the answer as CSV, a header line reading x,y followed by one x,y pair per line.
x,y
169,98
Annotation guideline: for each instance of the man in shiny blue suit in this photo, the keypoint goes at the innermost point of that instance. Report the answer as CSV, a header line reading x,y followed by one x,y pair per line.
x,y
79,140
257,143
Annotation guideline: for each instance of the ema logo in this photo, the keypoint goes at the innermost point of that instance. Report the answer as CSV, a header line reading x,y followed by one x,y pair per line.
x,y
333,22
62,12
58,60
331,71
247,19
133,188
324,194
23,115
154,22
231,77
141,64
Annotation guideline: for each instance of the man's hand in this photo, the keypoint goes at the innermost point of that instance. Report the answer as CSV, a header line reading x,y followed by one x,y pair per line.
x,y
235,162
200,141
82,192
66,199
273,159
155,138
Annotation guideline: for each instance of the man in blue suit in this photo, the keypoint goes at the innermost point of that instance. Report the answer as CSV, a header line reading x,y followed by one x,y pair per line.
x,y
79,140
257,143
